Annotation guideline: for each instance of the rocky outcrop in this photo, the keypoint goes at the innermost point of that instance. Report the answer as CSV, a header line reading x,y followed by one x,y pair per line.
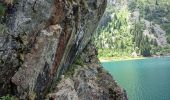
x,y
39,41
86,80
154,31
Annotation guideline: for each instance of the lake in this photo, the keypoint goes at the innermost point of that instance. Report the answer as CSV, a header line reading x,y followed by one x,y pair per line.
x,y
145,79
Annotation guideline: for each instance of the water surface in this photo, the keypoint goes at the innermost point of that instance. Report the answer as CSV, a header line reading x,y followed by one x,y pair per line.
x,y
146,79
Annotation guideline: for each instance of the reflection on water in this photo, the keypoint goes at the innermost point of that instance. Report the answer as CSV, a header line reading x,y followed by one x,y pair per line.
x,y
147,79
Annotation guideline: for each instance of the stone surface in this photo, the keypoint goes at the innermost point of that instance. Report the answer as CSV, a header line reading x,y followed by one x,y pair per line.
x,y
87,81
41,40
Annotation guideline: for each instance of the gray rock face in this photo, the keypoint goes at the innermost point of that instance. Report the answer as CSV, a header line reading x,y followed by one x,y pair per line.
x,y
158,33
87,81
41,40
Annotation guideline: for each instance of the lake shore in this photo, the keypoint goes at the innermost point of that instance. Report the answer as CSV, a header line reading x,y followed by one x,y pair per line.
x,y
108,59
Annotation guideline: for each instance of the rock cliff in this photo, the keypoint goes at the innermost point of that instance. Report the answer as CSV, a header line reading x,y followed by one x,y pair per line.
x,y
87,80
39,41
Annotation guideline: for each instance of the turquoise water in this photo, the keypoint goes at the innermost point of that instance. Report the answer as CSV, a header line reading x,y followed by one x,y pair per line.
x,y
147,79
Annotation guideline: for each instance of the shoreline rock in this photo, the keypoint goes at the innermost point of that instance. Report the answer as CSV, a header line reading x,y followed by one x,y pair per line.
x,y
89,81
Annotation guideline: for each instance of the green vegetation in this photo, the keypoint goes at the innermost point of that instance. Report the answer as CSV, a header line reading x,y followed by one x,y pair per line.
x,y
8,97
2,10
2,14
77,63
113,38
131,31
71,70
168,38
3,29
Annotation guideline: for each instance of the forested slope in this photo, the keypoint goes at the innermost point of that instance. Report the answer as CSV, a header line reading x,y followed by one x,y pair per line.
x,y
134,28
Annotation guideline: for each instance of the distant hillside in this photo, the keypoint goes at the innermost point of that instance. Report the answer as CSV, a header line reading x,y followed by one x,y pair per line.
x,y
135,28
